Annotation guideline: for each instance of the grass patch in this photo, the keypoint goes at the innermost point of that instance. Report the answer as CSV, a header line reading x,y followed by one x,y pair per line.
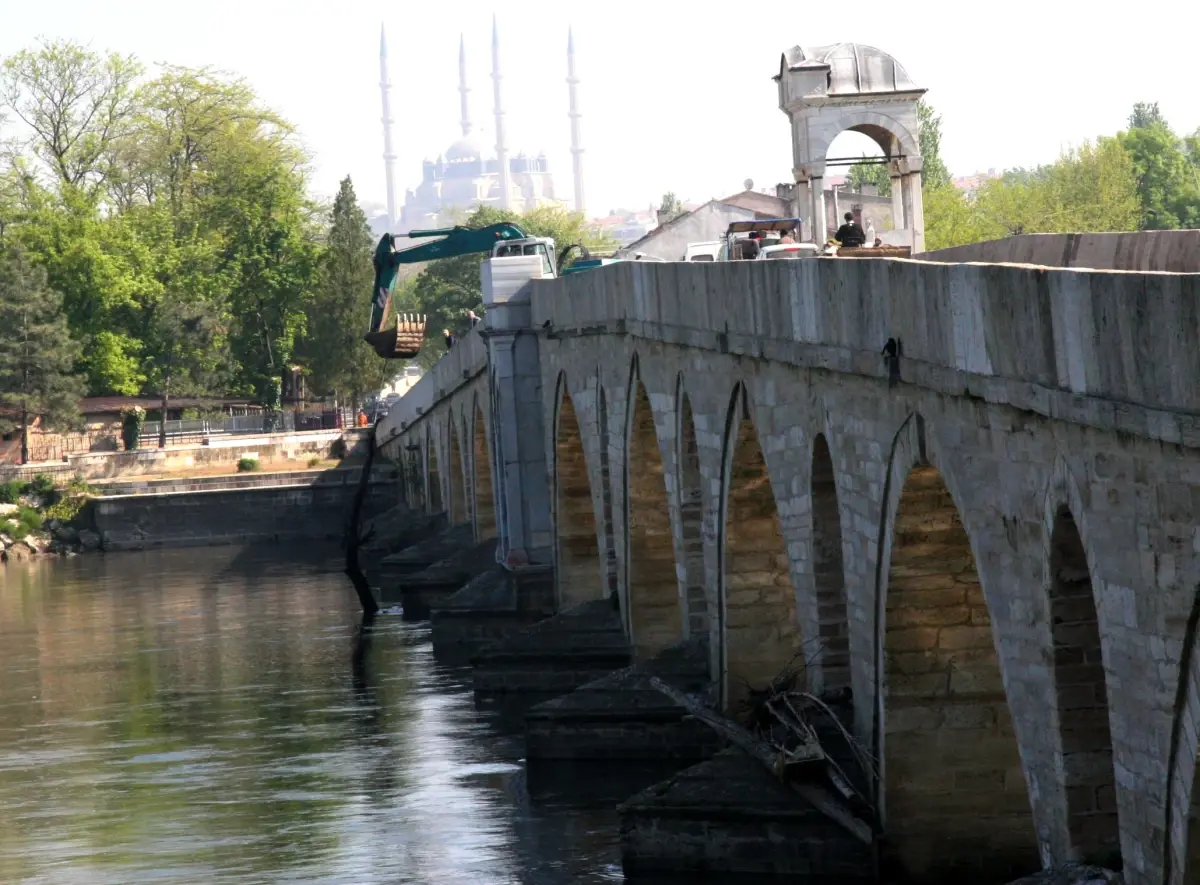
x,y
245,465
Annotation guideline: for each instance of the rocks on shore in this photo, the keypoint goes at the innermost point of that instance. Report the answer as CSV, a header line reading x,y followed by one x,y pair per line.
x,y
62,540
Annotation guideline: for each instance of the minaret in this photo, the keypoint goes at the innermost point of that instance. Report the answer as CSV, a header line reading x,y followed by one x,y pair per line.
x,y
575,115
463,89
389,156
501,150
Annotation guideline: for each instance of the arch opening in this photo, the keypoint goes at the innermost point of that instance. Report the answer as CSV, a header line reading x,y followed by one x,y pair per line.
x,y
760,630
485,496
828,570
458,497
578,572
435,480
691,519
1082,694
654,609
952,770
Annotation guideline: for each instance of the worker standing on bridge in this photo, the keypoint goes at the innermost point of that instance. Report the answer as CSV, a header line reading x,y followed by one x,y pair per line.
x,y
851,233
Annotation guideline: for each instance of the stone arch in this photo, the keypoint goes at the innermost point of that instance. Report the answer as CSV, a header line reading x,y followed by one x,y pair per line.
x,y
882,129
950,767
485,492
759,628
1080,684
578,569
829,574
655,619
434,476
457,474
691,518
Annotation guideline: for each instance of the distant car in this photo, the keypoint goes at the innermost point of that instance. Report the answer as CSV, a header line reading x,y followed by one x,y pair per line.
x,y
706,251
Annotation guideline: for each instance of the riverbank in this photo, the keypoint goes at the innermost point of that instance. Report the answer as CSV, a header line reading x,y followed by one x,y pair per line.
x,y
38,518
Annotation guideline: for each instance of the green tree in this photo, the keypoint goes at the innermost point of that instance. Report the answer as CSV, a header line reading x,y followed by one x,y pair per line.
x,y
76,106
37,356
671,206
447,289
333,350
869,175
1168,179
934,173
256,199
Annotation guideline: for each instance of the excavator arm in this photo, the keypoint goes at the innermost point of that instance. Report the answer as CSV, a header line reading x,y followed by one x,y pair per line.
x,y
403,341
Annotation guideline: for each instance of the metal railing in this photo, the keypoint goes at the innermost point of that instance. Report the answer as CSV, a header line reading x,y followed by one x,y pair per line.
x,y
198,430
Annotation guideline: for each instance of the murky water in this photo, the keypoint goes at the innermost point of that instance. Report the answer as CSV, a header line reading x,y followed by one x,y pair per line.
x,y
200,716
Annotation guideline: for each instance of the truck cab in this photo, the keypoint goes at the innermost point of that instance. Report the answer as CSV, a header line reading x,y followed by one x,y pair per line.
x,y
541,247
512,264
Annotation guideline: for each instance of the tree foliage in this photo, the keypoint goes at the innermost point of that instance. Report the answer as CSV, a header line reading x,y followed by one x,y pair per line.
x,y
37,356
170,212
337,358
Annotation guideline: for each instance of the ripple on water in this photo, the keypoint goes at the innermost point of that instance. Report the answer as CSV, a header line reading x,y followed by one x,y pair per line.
x,y
193,717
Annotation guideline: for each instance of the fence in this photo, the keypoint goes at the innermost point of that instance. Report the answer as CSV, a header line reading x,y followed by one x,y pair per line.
x,y
187,431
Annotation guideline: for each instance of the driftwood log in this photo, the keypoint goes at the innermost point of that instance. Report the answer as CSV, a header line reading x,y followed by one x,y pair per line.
x,y
354,539
788,766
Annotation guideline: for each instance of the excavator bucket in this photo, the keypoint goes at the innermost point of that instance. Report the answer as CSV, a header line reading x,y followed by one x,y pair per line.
x,y
401,342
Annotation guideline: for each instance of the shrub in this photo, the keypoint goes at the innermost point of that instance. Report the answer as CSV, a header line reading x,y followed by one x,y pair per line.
x,y
30,521
245,465
42,485
10,492
67,509
132,420
314,461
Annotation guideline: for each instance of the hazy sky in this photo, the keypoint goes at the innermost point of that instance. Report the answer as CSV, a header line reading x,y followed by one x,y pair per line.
x,y
676,96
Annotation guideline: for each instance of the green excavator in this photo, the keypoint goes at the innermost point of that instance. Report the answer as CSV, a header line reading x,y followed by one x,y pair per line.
x,y
503,240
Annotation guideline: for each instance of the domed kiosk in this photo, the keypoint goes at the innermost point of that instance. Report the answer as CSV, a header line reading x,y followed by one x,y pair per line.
x,y
828,90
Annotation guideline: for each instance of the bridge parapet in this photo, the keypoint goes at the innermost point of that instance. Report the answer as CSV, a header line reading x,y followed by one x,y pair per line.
x,y
462,363
1008,332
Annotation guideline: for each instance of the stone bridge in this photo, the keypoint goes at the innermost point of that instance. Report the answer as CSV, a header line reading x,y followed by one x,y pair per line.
x,y
969,493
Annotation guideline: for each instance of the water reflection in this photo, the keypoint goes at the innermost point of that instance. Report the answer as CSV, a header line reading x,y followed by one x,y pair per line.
x,y
218,716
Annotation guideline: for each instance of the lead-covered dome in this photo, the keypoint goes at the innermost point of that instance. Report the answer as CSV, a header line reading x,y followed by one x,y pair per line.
x,y
853,68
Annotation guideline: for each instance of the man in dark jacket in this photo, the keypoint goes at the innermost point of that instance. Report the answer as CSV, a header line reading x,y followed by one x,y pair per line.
x,y
851,233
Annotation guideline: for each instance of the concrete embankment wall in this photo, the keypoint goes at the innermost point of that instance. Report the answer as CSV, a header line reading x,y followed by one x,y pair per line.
x,y
1177,251
234,516
226,450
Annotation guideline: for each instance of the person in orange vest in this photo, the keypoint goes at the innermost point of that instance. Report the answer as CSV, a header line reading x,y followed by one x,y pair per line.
x,y
362,418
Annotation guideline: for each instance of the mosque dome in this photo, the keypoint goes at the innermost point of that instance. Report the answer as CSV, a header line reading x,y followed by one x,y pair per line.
x,y
853,68
462,150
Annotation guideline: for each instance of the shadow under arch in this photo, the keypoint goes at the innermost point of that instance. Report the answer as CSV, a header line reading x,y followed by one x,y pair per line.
x,y
578,572
433,474
655,615
758,632
1080,680
949,766
689,483
456,474
484,487
828,568
1181,853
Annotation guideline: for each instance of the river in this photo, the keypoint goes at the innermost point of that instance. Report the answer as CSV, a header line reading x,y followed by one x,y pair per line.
x,y
197,716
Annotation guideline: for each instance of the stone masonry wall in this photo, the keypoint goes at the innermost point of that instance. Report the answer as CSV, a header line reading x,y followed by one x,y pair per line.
x,y
1028,390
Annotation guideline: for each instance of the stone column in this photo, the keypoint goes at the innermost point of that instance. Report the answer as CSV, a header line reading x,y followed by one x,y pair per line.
x,y
914,206
820,231
518,446
898,221
803,204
